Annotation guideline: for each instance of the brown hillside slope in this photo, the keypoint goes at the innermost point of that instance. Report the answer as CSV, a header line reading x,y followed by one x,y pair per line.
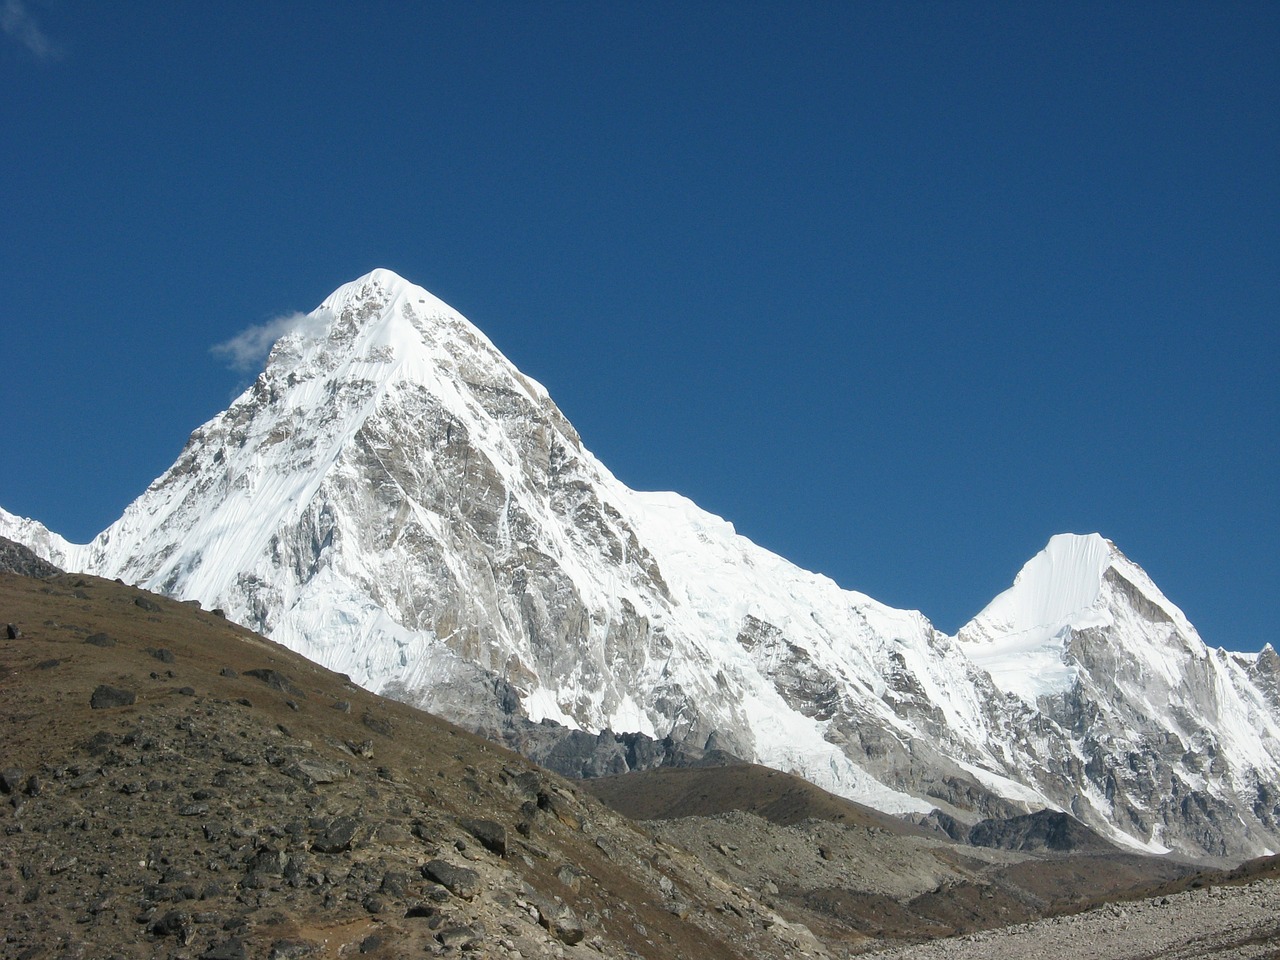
x,y
175,785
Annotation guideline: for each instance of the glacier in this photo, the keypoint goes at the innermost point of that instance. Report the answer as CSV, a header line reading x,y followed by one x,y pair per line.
x,y
392,498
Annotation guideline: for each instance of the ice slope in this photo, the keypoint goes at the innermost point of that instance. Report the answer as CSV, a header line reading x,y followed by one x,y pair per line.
x,y
392,498
1020,637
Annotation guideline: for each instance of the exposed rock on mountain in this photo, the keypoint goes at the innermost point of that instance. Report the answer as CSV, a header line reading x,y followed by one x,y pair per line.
x,y
15,558
1042,830
392,498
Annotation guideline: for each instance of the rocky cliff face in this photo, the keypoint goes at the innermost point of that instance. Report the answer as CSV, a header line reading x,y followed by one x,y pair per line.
x,y
393,499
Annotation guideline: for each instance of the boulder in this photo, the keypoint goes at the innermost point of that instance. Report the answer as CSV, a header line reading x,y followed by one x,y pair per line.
x,y
337,835
105,697
462,882
275,680
491,834
10,779
561,922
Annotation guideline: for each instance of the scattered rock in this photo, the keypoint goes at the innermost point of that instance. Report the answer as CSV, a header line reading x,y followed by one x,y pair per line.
x,y
266,862
337,835
571,877
163,654
315,770
85,780
173,923
460,937
377,724
290,949
462,882
100,640
561,922
491,834
10,779
147,604
228,672
232,949
98,744
63,863
275,680
105,697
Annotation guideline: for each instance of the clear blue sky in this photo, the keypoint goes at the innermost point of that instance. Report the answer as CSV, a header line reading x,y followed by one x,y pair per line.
x,y
901,289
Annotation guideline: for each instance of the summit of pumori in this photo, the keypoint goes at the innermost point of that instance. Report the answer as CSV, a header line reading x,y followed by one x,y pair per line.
x,y
392,498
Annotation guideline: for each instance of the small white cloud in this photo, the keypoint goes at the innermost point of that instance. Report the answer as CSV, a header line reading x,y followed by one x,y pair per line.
x,y
17,22
250,347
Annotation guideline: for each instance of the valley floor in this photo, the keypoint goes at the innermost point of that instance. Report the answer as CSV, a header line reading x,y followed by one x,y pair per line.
x,y
1223,923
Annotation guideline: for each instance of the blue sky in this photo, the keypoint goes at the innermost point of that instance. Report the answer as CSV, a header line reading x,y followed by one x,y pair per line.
x,y
900,289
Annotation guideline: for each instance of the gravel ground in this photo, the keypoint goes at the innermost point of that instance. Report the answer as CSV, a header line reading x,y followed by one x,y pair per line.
x,y
1225,923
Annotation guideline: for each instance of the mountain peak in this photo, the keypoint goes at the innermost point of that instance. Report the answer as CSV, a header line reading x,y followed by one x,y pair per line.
x,y
1061,580
380,319
1020,636
373,296
379,283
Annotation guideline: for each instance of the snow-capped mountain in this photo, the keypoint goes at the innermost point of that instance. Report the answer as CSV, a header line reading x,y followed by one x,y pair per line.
x,y
1179,742
394,499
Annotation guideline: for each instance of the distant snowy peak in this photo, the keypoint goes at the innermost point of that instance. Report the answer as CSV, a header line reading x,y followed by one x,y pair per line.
x,y
376,349
1060,582
381,318
1022,638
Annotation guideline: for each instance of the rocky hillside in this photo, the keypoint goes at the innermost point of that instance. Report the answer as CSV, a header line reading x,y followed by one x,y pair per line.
x,y
174,785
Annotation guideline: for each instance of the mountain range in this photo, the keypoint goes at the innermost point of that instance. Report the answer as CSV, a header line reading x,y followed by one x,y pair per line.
x,y
393,499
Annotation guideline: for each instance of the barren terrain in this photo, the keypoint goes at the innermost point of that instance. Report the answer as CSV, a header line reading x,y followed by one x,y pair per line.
x,y
174,785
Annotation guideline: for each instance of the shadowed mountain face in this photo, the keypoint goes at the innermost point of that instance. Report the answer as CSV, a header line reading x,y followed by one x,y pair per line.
x,y
1043,830
392,498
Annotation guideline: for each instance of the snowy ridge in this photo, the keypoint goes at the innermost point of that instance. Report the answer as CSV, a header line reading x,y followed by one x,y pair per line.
x,y
392,498
1020,637
44,542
